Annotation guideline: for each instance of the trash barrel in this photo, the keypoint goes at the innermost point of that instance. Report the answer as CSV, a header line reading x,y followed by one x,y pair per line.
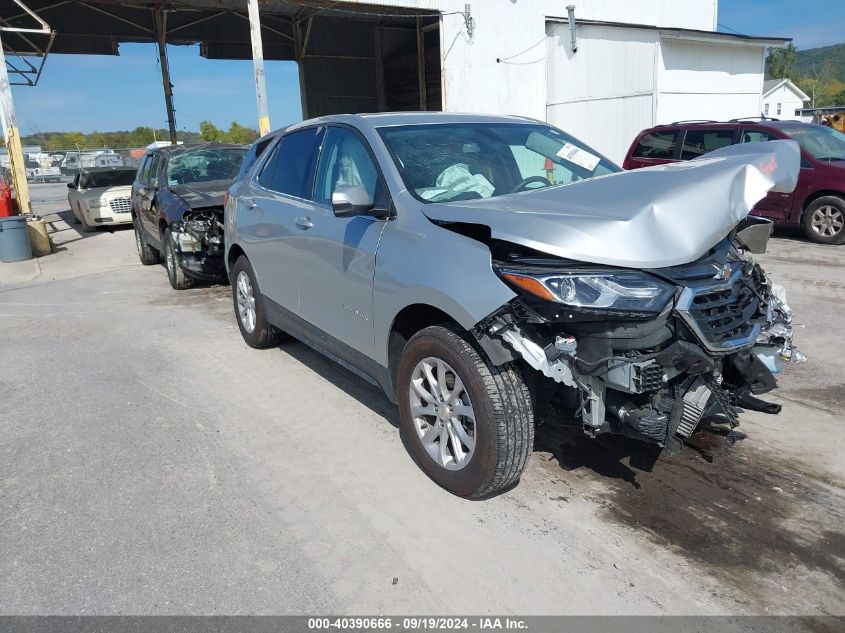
x,y
39,240
14,239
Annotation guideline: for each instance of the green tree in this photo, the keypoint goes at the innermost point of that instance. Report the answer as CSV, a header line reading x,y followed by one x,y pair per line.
x,y
69,140
782,63
240,134
210,132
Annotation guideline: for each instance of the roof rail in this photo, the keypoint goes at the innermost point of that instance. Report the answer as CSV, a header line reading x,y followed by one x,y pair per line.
x,y
753,118
693,121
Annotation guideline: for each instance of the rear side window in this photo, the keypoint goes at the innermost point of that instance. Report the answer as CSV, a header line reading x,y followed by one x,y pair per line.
x,y
291,168
255,152
699,142
657,145
755,136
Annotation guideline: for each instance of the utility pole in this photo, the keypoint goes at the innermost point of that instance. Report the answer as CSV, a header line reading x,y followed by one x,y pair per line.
x,y
161,38
258,67
12,136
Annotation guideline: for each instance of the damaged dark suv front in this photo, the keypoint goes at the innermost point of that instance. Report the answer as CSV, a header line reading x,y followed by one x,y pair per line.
x,y
177,205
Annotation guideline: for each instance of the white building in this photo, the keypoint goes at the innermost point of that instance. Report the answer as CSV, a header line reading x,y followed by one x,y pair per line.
x,y
782,99
634,64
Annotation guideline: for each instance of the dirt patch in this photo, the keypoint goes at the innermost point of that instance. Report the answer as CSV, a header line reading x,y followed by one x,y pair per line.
x,y
831,398
752,520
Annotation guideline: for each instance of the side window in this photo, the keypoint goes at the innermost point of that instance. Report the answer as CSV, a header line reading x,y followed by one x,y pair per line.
x,y
155,167
345,161
657,145
144,170
254,153
699,142
291,169
755,136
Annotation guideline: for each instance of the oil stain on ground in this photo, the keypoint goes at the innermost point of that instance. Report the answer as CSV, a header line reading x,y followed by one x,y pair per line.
x,y
750,519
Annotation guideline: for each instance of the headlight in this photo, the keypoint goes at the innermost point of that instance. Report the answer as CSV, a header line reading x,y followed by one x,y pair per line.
x,y
95,203
614,290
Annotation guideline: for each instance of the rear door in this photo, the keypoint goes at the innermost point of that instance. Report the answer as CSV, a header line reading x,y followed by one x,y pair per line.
x,y
270,224
336,256
775,205
654,148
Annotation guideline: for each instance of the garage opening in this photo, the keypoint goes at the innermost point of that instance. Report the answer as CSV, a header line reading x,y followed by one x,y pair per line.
x,y
361,65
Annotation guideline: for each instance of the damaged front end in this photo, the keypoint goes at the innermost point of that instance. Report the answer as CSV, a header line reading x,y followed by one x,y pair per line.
x,y
655,354
198,242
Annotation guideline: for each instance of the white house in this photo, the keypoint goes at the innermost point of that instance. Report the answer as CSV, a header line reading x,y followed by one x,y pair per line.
x,y
621,67
782,99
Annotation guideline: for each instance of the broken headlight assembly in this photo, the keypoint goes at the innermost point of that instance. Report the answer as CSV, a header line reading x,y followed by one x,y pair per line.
x,y
613,291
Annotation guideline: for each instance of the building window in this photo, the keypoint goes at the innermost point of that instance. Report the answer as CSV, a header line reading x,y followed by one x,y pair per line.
x,y
778,109
765,109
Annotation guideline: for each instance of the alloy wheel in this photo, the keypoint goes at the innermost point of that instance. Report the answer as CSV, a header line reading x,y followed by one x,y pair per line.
x,y
245,298
827,221
442,413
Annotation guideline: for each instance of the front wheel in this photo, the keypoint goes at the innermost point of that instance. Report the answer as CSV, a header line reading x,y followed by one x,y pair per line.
x,y
824,220
469,424
177,277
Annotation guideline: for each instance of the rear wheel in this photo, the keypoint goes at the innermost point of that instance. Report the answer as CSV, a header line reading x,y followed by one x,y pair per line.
x,y
249,307
469,424
824,220
146,253
177,277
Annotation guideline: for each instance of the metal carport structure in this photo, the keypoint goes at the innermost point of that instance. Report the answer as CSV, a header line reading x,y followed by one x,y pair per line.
x,y
352,57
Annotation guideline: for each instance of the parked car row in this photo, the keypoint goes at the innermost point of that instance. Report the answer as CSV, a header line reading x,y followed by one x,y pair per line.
x,y
489,273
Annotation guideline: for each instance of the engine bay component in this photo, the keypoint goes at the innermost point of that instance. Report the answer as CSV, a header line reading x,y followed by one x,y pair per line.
x,y
656,373
199,242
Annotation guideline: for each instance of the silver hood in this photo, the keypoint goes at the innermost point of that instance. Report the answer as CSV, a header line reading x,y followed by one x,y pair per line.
x,y
647,218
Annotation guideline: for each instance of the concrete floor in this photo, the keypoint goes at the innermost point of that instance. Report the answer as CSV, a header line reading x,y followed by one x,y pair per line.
x,y
151,463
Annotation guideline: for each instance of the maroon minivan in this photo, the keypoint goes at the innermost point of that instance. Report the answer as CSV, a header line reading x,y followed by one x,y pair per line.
x,y
818,202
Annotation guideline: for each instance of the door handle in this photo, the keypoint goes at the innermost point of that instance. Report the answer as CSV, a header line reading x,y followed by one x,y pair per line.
x,y
304,223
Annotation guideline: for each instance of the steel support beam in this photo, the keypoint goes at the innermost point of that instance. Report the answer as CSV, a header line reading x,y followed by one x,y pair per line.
x,y
421,65
160,19
13,138
258,67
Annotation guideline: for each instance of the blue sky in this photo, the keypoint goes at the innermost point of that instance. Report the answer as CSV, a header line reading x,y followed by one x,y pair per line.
x,y
106,93
811,24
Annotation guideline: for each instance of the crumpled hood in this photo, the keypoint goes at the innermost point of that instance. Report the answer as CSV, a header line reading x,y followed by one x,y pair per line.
x,y
647,218
203,194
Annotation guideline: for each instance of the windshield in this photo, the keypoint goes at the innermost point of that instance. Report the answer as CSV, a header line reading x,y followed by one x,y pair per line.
x,y
205,165
821,142
465,161
116,178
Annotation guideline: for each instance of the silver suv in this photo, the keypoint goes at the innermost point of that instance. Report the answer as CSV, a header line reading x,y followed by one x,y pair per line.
x,y
488,272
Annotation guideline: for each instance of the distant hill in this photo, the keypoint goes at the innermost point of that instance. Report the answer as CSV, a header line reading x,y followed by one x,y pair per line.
x,y
816,57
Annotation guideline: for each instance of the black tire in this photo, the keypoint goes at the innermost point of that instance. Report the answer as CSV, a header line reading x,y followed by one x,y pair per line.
x,y
263,334
177,277
504,417
146,253
824,220
86,228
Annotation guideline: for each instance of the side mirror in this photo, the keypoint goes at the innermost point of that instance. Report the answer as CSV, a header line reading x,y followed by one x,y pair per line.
x,y
351,200
70,186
